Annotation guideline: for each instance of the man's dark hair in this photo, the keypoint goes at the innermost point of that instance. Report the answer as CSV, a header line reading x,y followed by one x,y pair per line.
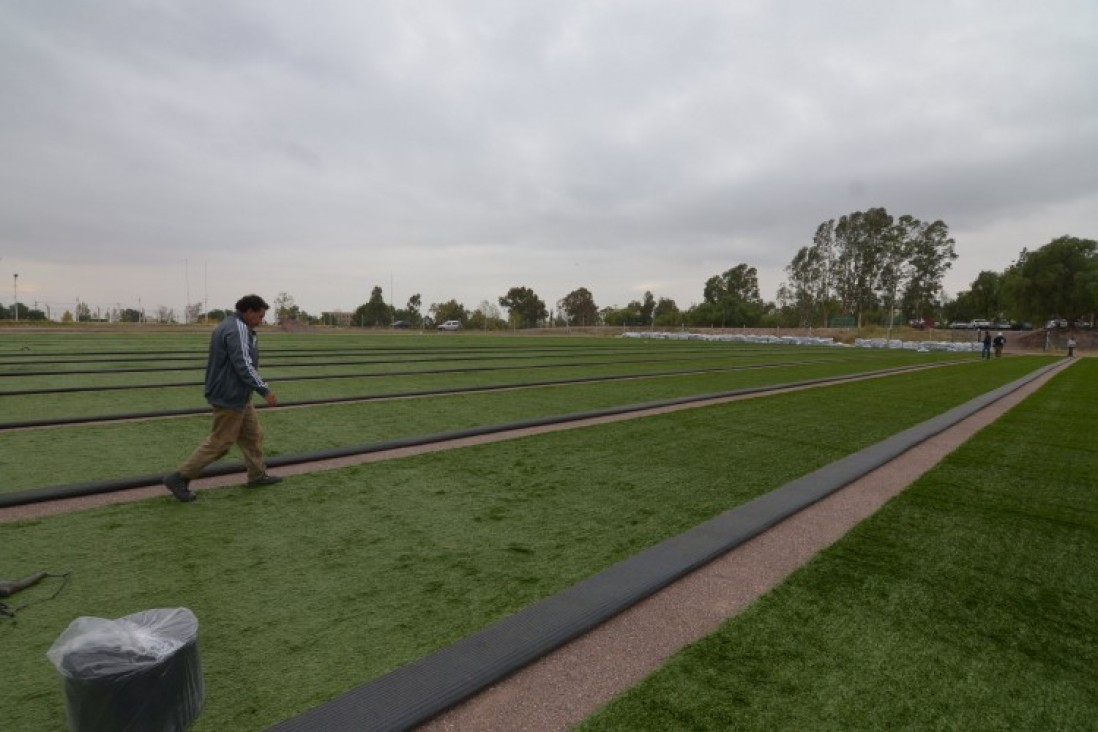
x,y
251,302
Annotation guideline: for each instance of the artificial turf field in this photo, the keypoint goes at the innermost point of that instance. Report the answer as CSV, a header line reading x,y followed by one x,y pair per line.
x,y
968,602
333,578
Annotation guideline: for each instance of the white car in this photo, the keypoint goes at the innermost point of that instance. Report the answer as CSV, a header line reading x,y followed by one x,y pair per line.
x,y
450,325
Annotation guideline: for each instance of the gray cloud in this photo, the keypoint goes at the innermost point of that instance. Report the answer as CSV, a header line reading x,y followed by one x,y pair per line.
x,y
459,149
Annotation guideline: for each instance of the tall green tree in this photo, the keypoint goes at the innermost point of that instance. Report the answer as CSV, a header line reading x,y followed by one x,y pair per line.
x,y
410,312
636,312
630,315
741,283
648,307
931,253
730,299
1058,280
666,313
986,295
526,309
862,240
983,299
449,310
415,302
873,260
579,307
375,313
808,291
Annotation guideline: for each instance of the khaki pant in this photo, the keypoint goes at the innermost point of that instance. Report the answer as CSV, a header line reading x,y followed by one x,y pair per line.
x,y
230,427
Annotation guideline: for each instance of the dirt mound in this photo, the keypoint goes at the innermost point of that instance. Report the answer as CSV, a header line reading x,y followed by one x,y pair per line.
x,y
295,326
1054,340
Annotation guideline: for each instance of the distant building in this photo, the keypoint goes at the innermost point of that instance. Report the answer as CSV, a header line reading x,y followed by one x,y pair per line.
x,y
337,317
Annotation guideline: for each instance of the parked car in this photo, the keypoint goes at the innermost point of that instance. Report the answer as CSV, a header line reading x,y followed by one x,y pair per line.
x,y
450,325
979,324
401,324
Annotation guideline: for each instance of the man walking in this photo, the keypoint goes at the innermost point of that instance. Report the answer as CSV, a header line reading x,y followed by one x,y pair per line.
x,y
231,377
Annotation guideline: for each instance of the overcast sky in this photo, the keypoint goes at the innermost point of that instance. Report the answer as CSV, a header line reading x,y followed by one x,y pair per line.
x,y
160,152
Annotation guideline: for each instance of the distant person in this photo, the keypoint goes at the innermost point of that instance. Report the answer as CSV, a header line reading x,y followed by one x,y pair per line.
x,y
998,342
1071,346
231,378
986,354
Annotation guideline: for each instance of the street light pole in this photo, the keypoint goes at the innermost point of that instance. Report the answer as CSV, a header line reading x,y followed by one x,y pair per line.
x,y
15,297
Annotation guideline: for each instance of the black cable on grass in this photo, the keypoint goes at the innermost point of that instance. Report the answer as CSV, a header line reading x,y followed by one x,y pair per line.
x,y
54,493
60,422
201,353
312,364
11,612
270,366
130,356
382,374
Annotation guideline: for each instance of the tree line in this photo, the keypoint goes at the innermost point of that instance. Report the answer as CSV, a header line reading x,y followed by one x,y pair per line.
x,y
1057,281
866,267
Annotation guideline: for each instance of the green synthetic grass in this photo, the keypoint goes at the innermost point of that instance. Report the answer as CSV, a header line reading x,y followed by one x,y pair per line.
x,y
35,458
968,602
184,390
330,579
179,392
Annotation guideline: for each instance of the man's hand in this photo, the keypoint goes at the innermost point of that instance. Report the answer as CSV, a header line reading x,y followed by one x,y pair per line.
x,y
271,398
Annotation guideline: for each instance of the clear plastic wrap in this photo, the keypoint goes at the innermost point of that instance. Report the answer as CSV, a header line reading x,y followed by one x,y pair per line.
x,y
138,672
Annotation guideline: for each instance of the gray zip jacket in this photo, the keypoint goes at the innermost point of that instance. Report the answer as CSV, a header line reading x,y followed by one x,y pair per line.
x,y
231,371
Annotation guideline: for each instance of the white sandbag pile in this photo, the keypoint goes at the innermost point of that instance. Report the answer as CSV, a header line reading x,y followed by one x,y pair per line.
x,y
895,344
736,338
919,346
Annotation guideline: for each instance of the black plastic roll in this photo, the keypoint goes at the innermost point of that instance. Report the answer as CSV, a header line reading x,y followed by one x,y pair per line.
x,y
138,672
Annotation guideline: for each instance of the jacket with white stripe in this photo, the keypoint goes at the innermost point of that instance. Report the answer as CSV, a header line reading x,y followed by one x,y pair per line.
x,y
232,369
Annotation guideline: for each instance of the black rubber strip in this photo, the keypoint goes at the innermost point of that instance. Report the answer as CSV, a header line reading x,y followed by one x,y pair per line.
x,y
200,365
415,693
63,421
40,357
60,421
367,374
54,493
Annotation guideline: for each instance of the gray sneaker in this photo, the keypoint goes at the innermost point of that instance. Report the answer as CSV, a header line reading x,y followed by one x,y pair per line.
x,y
177,484
265,479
